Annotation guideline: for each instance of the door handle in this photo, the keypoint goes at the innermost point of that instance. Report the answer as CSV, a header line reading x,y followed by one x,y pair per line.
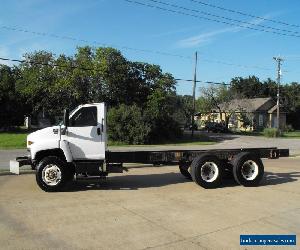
x,y
98,131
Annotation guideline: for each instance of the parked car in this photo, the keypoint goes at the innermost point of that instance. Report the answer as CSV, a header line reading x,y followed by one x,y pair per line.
x,y
195,127
216,127
190,126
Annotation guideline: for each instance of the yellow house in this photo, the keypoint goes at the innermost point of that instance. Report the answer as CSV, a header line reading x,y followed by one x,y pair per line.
x,y
245,114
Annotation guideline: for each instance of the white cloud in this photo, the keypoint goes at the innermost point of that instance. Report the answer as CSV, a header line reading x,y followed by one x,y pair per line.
x,y
174,32
206,38
203,38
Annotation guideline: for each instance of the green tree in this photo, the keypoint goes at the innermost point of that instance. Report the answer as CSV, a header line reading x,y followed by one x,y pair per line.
x,y
159,114
218,99
36,81
291,101
127,124
48,84
249,87
183,109
11,107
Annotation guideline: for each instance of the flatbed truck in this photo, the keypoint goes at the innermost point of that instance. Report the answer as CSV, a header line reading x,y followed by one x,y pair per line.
x,y
78,147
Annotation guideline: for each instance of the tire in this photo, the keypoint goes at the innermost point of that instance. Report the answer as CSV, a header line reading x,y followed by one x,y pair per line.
x,y
207,171
183,168
227,173
248,169
70,172
52,174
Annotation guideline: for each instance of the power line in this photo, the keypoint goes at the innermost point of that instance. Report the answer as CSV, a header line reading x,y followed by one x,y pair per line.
x,y
209,19
128,48
222,17
45,34
45,64
208,82
88,69
244,14
236,65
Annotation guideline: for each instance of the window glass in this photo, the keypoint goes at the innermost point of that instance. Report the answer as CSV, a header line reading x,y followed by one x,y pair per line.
x,y
86,116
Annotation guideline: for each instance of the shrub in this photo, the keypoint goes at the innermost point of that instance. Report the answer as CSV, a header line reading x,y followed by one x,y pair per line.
x,y
126,124
271,132
289,128
132,125
164,129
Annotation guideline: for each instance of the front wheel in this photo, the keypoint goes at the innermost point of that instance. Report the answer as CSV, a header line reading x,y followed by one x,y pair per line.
x,y
52,174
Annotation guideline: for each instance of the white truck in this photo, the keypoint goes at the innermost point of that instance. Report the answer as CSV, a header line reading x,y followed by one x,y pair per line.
x,y
78,147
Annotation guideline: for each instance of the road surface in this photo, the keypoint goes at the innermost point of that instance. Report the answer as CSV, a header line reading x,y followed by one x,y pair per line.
x,y
149,207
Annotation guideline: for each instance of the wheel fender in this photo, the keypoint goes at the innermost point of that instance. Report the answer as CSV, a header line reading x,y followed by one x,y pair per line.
x,y
64,145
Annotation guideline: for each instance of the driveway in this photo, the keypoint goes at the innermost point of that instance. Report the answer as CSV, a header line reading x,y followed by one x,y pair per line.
x,y
149,208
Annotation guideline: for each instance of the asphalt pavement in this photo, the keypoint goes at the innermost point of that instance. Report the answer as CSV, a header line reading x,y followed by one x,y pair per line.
x,y
149,208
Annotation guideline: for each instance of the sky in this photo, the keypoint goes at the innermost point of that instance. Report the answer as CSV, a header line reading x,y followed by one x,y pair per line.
x,y
167,38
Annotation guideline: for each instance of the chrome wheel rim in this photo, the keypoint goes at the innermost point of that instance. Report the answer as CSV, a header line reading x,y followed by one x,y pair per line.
x,y
51,175
249,170
209,171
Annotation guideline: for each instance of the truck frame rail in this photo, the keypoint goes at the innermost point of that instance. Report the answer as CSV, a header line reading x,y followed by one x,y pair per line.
x,y
176,156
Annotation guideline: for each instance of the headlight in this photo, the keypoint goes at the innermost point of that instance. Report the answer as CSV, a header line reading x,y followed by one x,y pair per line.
x,y
29,143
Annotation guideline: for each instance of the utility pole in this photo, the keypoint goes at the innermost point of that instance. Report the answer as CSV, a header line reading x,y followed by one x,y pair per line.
x,y
194,93
279,61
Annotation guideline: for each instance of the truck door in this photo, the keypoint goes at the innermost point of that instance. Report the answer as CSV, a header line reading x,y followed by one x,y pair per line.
x,y
86,133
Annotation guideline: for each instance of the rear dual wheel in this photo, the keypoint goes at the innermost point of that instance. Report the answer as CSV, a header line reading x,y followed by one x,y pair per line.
x,y
184,170
248,169
207,171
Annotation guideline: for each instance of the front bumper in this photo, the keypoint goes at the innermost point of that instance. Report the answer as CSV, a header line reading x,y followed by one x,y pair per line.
x,y
14,165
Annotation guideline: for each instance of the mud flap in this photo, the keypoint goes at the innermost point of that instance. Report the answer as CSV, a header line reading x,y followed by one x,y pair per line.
x,y
14,165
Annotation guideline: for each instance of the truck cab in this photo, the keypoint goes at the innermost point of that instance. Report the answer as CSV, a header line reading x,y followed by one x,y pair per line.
x,y
83,138
76,145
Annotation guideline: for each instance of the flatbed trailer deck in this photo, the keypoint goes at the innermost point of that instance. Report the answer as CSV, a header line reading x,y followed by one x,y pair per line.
x,y
176,156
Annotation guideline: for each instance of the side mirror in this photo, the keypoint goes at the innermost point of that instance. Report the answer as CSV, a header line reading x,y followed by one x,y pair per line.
x,y
66,117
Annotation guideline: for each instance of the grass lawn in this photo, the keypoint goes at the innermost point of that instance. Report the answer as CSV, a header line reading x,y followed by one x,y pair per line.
x,y
185,140
12,140
17,140
291,135
250,133
288,135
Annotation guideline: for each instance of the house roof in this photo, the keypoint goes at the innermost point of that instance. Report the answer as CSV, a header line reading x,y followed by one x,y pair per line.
x,y
274,109
249,105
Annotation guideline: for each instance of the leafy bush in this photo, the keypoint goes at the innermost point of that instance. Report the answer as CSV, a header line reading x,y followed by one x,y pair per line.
x,y
126,124
289,128
271,132
129,124
164,129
